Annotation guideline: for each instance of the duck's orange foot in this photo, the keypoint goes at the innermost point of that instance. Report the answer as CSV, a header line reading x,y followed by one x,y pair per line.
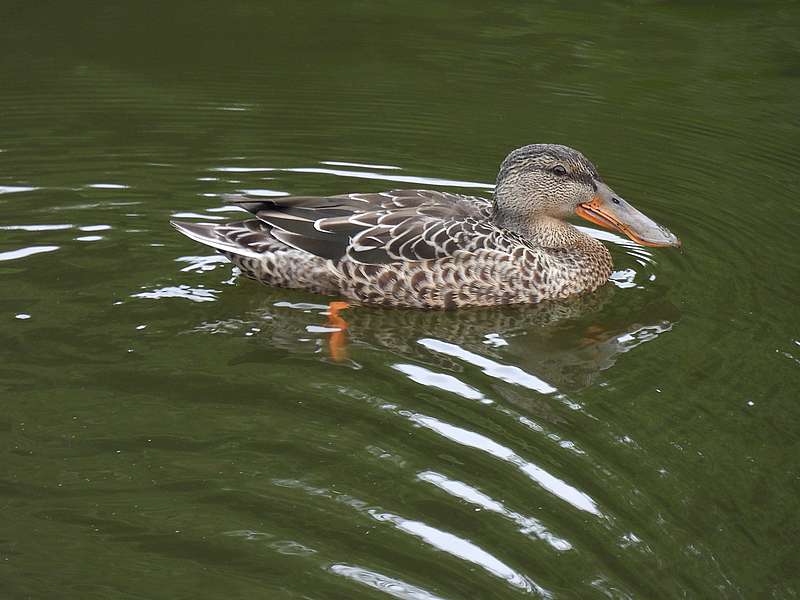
x,y
337,343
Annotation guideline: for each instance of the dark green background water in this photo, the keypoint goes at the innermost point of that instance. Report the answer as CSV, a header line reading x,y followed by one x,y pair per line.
x,y
171,431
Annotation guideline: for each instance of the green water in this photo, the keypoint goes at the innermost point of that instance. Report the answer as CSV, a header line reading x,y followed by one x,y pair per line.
x,y
172,431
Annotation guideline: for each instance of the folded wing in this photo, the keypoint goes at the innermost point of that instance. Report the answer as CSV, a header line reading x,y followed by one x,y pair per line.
x,y
397,226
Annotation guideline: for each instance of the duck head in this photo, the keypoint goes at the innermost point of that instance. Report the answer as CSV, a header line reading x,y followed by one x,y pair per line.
x,y
543,184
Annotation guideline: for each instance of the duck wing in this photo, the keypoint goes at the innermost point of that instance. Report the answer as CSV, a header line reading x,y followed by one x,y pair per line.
x,y
383,228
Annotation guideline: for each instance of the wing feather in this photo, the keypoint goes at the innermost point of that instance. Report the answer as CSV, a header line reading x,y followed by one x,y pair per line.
x,y
387,227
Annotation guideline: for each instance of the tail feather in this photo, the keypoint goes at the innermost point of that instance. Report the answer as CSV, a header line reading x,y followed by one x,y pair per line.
x,y
247,238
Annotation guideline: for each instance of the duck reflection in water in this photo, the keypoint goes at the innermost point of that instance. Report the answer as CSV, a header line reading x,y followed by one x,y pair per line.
x,y
564,343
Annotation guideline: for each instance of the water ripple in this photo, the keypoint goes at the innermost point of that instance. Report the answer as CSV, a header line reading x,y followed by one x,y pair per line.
x,y
507,373
388,585
43,227
12,189
360,175
551,483
463,491
202,263
436,538
460,548
440,381
25,252
179,291
335,163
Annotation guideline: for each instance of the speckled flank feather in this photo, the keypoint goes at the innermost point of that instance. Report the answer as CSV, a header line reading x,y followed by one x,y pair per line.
x,y
413,248
484,277
249,246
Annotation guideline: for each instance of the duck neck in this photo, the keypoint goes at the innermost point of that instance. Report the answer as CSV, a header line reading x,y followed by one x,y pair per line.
x,y
550,232
544,231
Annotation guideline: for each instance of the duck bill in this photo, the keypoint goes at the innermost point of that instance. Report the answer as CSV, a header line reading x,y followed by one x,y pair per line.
x,y
612,212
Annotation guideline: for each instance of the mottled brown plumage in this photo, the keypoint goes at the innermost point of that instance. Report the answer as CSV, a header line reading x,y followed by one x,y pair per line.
x,y
431,249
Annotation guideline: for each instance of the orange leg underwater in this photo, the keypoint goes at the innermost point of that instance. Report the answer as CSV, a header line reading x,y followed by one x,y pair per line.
x,y
337,344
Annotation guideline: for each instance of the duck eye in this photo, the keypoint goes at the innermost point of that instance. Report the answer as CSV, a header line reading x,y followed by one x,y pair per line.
x,y
559,170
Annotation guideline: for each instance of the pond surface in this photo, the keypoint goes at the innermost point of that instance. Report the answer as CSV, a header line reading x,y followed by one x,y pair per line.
x,y
171,430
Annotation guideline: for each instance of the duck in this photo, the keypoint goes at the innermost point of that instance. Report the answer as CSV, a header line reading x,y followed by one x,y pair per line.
x,y
431,249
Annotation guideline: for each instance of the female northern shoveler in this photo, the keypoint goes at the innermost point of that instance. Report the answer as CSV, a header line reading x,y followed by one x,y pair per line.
x,y
430,249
